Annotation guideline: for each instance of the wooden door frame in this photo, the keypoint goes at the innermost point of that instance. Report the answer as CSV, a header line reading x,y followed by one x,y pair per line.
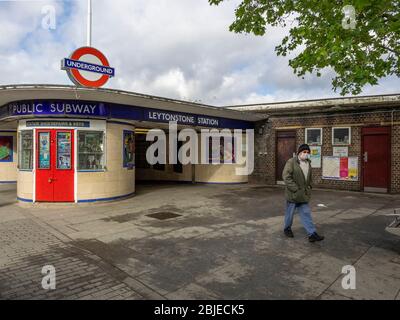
x,y
277,132
362,171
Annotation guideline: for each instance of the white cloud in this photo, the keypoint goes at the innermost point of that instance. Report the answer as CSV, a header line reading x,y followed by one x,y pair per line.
x,y
174,48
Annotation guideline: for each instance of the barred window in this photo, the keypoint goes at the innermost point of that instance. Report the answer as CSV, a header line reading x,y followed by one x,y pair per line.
x,y
313,136
25,154
341,136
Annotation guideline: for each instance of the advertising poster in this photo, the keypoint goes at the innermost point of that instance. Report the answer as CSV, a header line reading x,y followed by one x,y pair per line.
x,y
344,169
340,168
6,149
340,151
64,150
331,168
228,151
129,149
221,150
353,168
44,154
215,150
315,156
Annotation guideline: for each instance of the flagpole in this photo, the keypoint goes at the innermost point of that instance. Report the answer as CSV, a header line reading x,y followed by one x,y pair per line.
x,y
89,24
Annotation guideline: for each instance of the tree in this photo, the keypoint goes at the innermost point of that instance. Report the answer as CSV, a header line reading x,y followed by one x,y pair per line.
x,y
361,48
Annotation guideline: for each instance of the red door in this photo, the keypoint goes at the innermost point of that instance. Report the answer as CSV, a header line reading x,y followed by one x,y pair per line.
x,y
285,147
55,165
376,159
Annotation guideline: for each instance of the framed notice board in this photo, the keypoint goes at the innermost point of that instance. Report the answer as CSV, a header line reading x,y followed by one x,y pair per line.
x,y
340,168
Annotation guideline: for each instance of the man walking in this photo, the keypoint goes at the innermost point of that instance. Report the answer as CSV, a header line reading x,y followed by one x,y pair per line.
x,y
297,177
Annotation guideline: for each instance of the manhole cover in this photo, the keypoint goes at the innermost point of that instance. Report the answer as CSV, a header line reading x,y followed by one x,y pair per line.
x,y
163,215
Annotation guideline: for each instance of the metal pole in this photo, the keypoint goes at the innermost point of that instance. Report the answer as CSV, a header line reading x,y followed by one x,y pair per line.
x,y
89,24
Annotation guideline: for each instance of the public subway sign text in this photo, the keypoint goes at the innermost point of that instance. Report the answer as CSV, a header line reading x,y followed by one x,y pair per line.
x,y
49,108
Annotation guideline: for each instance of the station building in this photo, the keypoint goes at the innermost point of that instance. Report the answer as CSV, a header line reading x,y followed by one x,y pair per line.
x,y
72,144
355,142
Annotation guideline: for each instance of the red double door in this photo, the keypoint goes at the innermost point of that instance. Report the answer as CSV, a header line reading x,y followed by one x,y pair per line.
x,y
54,165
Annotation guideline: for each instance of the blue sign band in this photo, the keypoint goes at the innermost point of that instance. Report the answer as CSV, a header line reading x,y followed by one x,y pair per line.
x,y
83,108
116,111
86,66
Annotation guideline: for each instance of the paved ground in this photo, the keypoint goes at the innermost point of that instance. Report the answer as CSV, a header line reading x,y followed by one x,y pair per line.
x,y
226,243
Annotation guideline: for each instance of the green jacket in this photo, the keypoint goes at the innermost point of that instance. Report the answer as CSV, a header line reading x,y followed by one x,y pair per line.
x,y
298,190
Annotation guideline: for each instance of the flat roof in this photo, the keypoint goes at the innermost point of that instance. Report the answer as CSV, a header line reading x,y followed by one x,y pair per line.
x,y
327,104
31,92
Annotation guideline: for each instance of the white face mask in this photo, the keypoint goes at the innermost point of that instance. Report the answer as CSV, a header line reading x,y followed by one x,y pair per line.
x,y
304,156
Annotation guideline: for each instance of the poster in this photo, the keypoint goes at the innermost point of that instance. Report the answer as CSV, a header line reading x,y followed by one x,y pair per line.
x,y
64,150
44,154
340,151
353,168
215,150
340,168
344,169
315,156
6,149
331,168
228,151
64,161
129,149
221,150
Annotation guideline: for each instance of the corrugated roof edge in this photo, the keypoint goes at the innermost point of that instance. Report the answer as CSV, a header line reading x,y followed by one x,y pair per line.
x,y
337,102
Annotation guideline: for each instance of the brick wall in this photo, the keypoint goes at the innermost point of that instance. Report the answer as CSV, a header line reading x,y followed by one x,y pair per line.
x,y
265,143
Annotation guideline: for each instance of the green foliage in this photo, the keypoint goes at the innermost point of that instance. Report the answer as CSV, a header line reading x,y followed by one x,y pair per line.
x,y
359,56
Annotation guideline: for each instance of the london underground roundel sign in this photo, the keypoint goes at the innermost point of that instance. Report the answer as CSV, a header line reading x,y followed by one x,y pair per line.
x,y
88,67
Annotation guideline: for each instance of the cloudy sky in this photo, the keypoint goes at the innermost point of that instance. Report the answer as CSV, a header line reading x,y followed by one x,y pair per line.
x,y
173,48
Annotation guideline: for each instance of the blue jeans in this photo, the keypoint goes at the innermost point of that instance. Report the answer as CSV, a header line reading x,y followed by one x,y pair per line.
x,y
305,216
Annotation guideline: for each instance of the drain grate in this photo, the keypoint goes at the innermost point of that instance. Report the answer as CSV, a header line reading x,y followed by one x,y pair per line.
x,y
163,215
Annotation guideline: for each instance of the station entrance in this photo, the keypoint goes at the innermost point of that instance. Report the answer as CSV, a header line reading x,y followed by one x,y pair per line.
x,y
55,165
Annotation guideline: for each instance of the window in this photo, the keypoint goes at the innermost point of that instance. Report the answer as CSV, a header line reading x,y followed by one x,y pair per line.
x,y
25,155
314,136
341,136
90,150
